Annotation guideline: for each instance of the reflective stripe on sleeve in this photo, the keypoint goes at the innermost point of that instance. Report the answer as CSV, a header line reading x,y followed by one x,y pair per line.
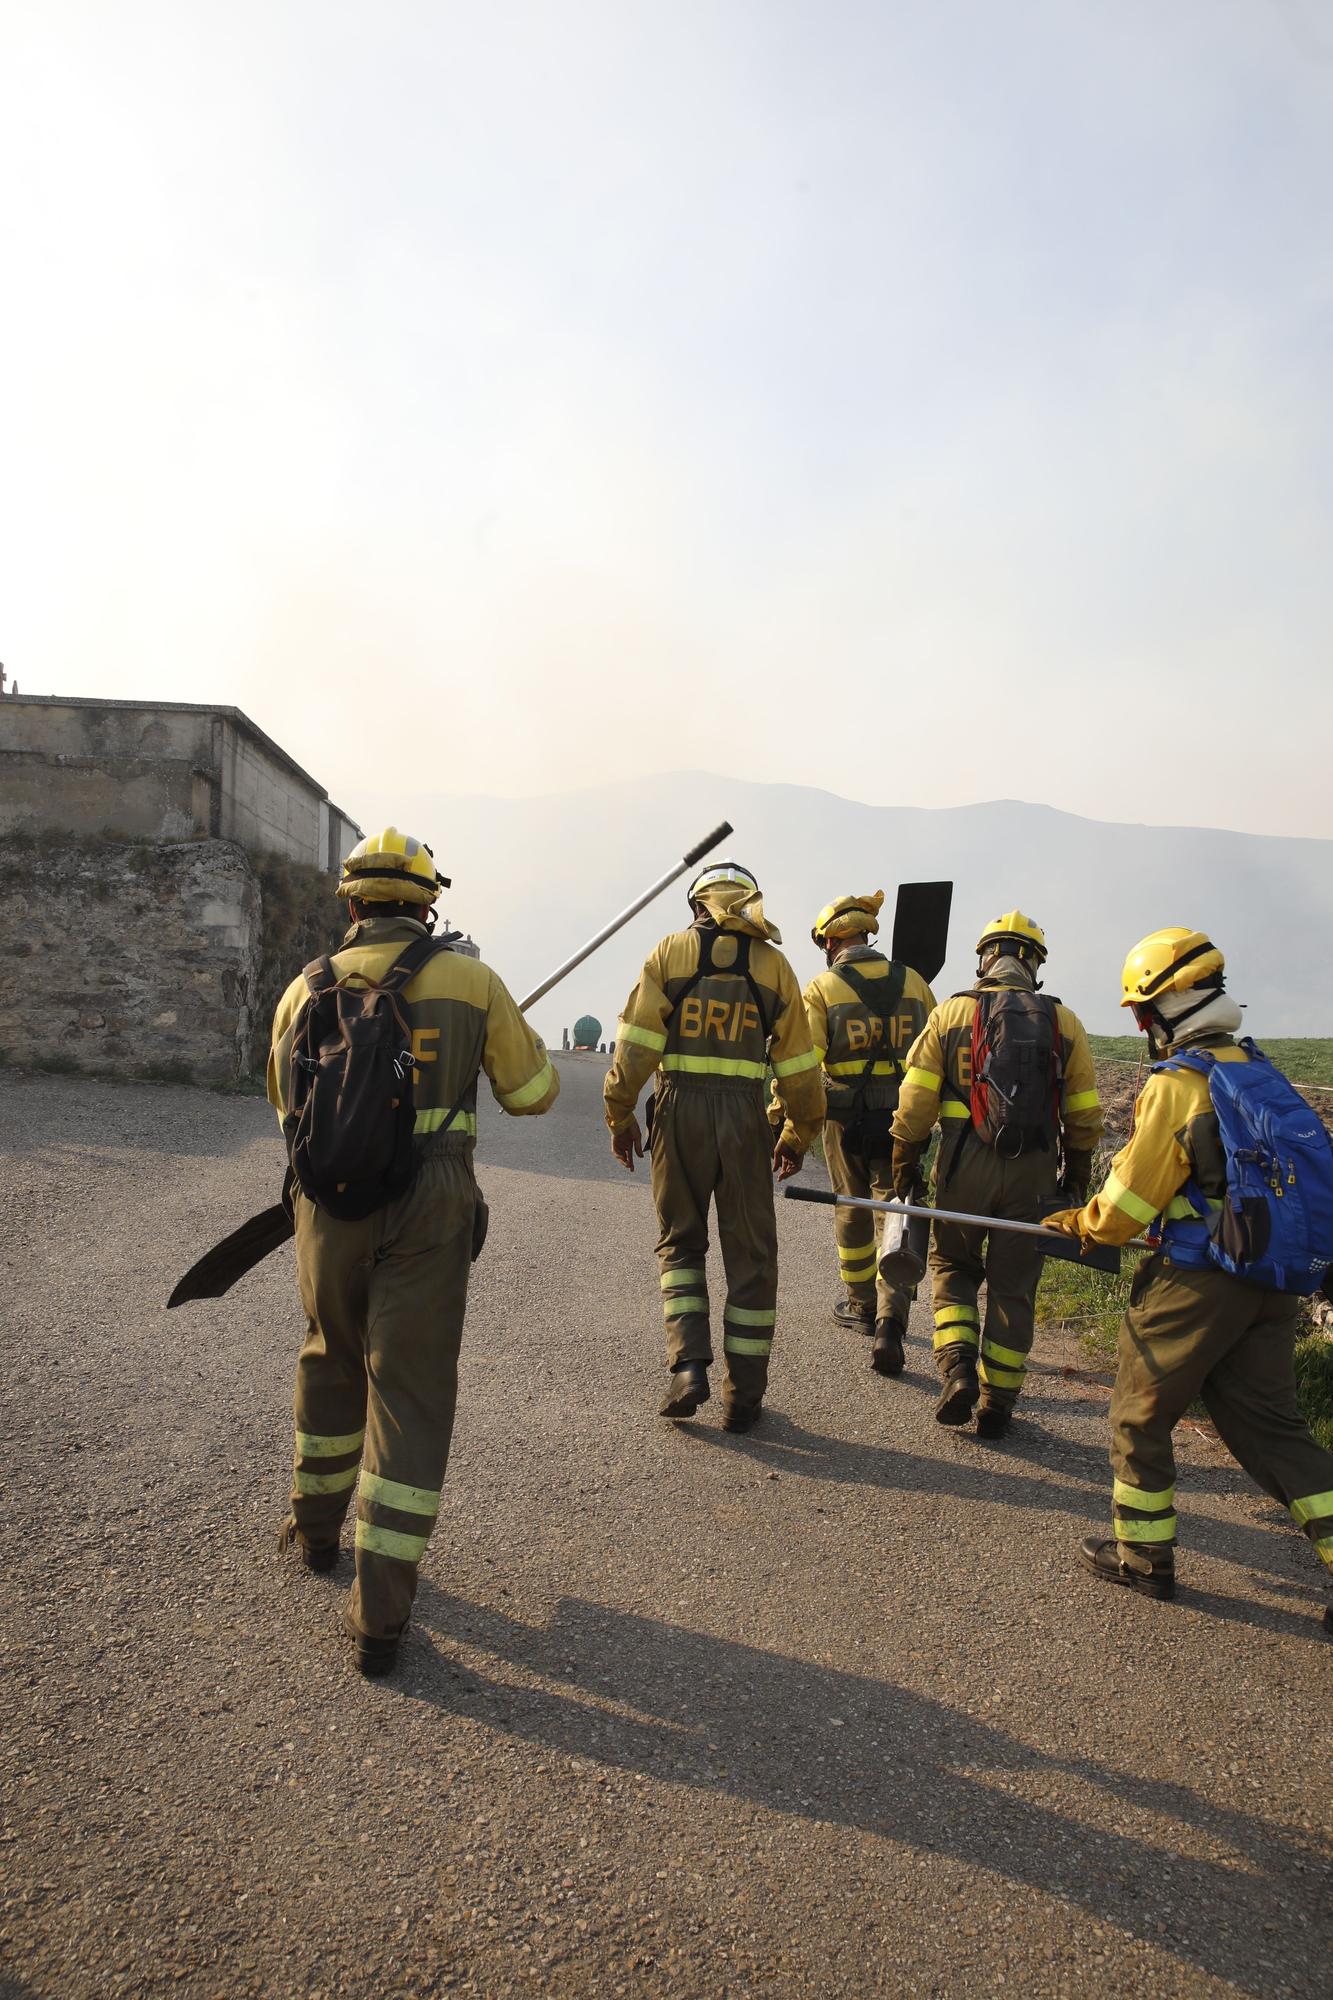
x,y
924,1079
646,1038
324,1482
795,1064
392,1493
1125,1198
388,1542
313,1444
431,1121
528,1093
714,1066
1083,1100
951,1108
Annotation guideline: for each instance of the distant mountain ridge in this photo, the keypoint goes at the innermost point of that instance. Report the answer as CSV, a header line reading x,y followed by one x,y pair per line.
x,y
534,877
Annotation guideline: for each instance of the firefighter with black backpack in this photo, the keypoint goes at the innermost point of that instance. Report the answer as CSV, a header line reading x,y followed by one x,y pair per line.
x,y
865,1012
1007,1072
374,1064
715,1007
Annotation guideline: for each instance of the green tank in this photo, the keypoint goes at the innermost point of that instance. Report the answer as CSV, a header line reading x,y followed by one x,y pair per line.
x,y
587,1032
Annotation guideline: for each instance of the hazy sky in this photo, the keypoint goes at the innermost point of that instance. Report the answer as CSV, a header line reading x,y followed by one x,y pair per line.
x,y
933,402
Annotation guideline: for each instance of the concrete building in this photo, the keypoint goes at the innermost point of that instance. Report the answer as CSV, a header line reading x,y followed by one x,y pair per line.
x,y
163,771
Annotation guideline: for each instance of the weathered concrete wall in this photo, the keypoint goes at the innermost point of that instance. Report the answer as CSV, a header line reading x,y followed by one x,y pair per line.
x,y
129,959
160,771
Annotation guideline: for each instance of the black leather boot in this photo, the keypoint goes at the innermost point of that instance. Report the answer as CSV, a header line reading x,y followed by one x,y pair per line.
x,y
689,1388
319,1556
958,1397
887,1356
375,1655
1117,1562
852,1314
741,1416
993,1420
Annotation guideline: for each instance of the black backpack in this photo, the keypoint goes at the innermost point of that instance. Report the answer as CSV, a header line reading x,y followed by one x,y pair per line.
x,y
350,1106
867,1131
1017,1071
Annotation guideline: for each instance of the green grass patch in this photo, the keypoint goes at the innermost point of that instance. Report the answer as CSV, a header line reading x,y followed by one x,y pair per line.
x,y
1314,1385
1306,1059
1088,1303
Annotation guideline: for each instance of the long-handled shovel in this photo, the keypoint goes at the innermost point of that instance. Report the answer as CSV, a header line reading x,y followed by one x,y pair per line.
x,y
1053,1242
217,1271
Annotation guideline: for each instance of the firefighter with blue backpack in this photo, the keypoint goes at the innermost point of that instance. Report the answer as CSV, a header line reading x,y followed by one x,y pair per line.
x,y
1232,1173
374,1065
1007,1073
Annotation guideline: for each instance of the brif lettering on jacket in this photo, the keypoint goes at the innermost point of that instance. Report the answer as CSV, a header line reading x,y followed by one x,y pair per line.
x,y
869,1034
720,1020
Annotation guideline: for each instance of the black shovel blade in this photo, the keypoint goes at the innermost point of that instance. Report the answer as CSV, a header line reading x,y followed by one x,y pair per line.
x,y
217,1271
921,926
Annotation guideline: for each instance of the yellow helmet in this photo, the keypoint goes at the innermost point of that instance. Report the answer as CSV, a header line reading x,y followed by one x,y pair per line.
x,y
1168,962
1014,925
848,916
391,867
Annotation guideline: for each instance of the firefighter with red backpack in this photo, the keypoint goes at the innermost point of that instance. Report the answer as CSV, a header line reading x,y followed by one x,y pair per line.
x,y
374,1065
1007,1073
1232,1174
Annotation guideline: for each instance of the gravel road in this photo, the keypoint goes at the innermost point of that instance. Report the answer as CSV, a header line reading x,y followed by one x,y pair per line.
x,y
824,1710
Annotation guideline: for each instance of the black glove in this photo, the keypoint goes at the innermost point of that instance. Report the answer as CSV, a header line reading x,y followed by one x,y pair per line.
x,y
1077,1175
907,1167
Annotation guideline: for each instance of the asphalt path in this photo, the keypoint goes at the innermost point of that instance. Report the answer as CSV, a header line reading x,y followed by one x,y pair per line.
x,y
823,1710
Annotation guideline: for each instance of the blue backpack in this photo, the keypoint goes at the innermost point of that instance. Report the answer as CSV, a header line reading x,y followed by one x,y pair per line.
x,y
1275,1225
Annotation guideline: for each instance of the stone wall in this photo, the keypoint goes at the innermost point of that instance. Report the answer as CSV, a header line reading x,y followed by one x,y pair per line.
x,y
130,959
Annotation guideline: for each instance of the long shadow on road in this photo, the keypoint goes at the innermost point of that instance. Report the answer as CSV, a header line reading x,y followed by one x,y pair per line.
x,y
820,1744
979,1474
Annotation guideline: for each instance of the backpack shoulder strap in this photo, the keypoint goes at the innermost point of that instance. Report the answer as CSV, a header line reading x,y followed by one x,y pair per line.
x,y
319,976
410,961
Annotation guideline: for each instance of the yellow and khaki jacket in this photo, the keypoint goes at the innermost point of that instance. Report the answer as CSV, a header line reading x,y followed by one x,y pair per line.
x,y
938,1083
1174,1139
847,1035
714,1031
463,1021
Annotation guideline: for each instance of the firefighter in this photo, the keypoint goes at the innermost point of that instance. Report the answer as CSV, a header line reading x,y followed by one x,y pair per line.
x,y
865,1012
714,1007
377,1377
1019,1118
1191,1329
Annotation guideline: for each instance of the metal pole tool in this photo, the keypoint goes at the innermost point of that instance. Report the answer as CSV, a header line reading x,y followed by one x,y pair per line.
x,y
219,1268
1053,1242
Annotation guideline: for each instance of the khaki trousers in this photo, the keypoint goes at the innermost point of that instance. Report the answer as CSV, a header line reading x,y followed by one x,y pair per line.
x,y
962,1258
712,1143
1191,1334
856,1229
377,1377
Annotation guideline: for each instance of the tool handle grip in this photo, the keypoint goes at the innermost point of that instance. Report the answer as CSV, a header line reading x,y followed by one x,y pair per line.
x,y
824,1195
705,846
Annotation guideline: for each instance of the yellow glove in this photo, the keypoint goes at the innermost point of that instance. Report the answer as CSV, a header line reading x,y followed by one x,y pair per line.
x,y
1068,1220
